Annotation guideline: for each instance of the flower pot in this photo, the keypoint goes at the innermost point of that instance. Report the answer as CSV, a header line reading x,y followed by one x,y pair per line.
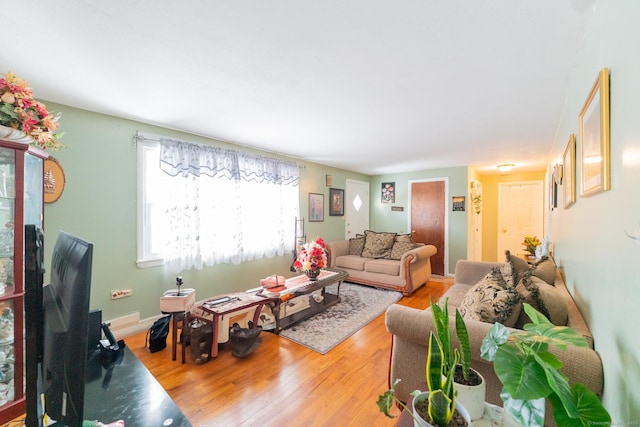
x,y
312,274
472,397
418,421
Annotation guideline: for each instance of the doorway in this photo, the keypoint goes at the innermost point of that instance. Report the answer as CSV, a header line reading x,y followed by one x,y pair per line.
x,y
520,214
428,219
356,208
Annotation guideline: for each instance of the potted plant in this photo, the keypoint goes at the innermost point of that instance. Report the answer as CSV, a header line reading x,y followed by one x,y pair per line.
x,y
469,384
530,244
438,404
530,374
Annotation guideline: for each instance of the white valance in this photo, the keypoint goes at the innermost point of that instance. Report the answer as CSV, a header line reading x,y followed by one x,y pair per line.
x,y
184,158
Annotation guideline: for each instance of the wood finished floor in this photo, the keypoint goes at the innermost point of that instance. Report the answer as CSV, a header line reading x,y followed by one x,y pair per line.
x,y
282,383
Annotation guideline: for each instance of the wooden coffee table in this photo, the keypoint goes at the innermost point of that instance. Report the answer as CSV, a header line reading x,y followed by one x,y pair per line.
x,y
301,285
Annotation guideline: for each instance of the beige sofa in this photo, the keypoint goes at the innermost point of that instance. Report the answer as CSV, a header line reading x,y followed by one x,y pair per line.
x,y
406,274
410,332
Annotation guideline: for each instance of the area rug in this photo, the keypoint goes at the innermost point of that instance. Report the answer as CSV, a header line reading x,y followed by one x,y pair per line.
x,y
358,306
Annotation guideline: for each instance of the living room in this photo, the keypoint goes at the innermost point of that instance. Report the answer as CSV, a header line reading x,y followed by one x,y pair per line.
x,y
589,238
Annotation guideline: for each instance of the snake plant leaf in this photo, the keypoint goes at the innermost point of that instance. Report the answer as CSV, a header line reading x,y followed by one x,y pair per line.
x,y
440,408
440,316
465,347
434,364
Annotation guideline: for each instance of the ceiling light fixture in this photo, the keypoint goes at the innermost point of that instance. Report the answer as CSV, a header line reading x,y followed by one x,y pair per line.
x,y
505,167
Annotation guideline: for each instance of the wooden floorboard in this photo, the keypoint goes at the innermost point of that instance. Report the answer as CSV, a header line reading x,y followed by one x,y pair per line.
x,y
283,383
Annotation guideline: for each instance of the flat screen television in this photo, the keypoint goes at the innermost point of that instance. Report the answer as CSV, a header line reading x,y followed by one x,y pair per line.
x,y
64,329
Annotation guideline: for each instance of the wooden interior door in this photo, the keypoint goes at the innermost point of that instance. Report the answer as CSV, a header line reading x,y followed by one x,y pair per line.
x,y
427,219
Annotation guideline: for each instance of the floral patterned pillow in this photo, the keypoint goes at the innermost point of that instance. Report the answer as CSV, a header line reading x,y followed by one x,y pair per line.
x,y
377,245
491,300
356,245
399,249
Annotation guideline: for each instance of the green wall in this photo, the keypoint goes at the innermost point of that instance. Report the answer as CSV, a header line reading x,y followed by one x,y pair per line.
x,y
99,205
599,260
383,219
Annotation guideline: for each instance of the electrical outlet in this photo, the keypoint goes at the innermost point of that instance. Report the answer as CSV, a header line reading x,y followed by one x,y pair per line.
x,y
120,293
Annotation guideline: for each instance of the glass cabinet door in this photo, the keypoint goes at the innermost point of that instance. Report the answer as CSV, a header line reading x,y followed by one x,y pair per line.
x,y
7,284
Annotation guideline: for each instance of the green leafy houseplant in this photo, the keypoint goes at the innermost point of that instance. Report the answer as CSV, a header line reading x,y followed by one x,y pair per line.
x,y
441,363
530,373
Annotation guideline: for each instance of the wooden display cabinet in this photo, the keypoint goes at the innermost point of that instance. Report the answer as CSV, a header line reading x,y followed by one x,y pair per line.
x,y
21,202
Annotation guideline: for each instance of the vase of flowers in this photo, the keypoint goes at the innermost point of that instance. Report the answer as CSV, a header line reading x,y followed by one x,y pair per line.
x,y
311,258
22,118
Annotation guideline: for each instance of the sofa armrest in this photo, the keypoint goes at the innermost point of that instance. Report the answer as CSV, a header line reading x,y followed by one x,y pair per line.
x,y
335,249
415,267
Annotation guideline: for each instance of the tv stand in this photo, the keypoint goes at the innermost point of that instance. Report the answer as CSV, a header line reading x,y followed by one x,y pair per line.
x,y
127,391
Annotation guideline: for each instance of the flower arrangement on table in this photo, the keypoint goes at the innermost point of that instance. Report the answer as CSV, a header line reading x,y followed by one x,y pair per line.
x,y
530,244
311,258
20,111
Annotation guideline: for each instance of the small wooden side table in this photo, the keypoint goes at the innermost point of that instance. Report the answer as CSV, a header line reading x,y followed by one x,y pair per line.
x,y
212,311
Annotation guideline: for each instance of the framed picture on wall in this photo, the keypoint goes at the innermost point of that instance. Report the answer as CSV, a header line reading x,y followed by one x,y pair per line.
x,y
336,202
316,207
569,173
388,192
594,138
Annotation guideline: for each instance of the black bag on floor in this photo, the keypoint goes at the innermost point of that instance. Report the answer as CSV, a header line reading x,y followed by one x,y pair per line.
x,y
157,334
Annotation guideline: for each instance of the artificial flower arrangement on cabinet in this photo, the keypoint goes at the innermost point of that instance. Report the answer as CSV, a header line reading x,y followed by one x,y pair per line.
x,y
20,112
311,258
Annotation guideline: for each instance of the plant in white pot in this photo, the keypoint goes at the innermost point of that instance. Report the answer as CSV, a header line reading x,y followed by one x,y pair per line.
x,y
530,374
469,384
439,403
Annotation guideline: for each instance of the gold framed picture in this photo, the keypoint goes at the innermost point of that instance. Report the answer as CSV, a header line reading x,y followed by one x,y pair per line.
x,y
569,172
594,138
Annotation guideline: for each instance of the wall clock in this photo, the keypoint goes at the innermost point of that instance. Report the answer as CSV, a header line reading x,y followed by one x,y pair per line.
x,y
53,180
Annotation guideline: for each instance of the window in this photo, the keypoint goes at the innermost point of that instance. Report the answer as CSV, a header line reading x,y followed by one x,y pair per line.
x,y
201,206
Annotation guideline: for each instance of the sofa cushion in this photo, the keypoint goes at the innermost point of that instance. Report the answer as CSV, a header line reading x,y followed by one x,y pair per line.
x,y
399,248
490,300
545,269
384,266
356,245
353,262
543,297
377,245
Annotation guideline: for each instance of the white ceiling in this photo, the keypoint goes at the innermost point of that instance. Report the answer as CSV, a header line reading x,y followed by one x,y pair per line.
x,y
374,86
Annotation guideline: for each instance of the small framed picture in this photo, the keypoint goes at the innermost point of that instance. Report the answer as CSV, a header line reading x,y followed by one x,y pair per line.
x,y
388,192
336,202
457,203
316,207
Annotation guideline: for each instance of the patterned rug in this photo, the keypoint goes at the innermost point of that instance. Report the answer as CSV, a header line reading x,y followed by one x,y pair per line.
x,y
358,306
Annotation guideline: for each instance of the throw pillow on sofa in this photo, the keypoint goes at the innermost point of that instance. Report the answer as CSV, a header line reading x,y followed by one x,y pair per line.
x,y
543,297
399,249
377,245
356,245
491,300
545,269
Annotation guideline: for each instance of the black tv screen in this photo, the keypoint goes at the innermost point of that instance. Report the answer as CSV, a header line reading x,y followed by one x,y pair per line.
x,y
65,329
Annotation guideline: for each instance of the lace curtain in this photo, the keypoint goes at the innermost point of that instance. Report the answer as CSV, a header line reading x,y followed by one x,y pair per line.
x,y
224,206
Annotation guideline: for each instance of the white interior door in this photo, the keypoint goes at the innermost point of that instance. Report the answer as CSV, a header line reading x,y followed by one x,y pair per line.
x,y
520,214
356,208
